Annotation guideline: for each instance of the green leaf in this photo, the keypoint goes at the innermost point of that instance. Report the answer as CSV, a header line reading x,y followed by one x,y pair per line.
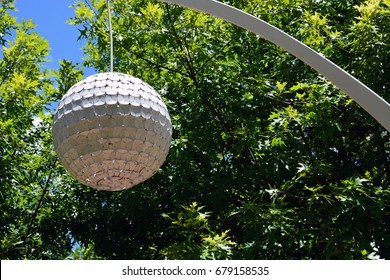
x,y
277,142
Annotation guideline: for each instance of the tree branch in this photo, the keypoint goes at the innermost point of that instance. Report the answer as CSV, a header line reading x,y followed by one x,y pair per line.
x,y
183,47
40,202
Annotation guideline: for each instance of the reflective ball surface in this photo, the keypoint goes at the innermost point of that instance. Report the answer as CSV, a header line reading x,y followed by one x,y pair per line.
x,y
112,131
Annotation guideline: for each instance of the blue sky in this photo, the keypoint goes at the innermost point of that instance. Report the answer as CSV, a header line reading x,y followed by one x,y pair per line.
x,y
50,17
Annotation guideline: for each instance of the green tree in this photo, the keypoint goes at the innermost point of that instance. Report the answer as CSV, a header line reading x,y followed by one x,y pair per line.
x,y
268,159
33,201
287,165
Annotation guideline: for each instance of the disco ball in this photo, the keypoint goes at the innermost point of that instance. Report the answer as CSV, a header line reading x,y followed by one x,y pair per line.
x,y
112,131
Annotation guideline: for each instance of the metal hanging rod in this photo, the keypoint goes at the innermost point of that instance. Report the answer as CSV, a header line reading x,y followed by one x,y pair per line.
x,y
111,40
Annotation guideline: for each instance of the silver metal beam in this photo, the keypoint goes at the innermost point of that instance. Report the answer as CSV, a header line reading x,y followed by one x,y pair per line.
x,y
375,105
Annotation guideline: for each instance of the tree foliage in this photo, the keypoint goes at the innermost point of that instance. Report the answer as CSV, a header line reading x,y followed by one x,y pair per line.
x,y
33,186
268,159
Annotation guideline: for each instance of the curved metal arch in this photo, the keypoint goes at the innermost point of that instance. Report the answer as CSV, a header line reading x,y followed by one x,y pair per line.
x,y
375,105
